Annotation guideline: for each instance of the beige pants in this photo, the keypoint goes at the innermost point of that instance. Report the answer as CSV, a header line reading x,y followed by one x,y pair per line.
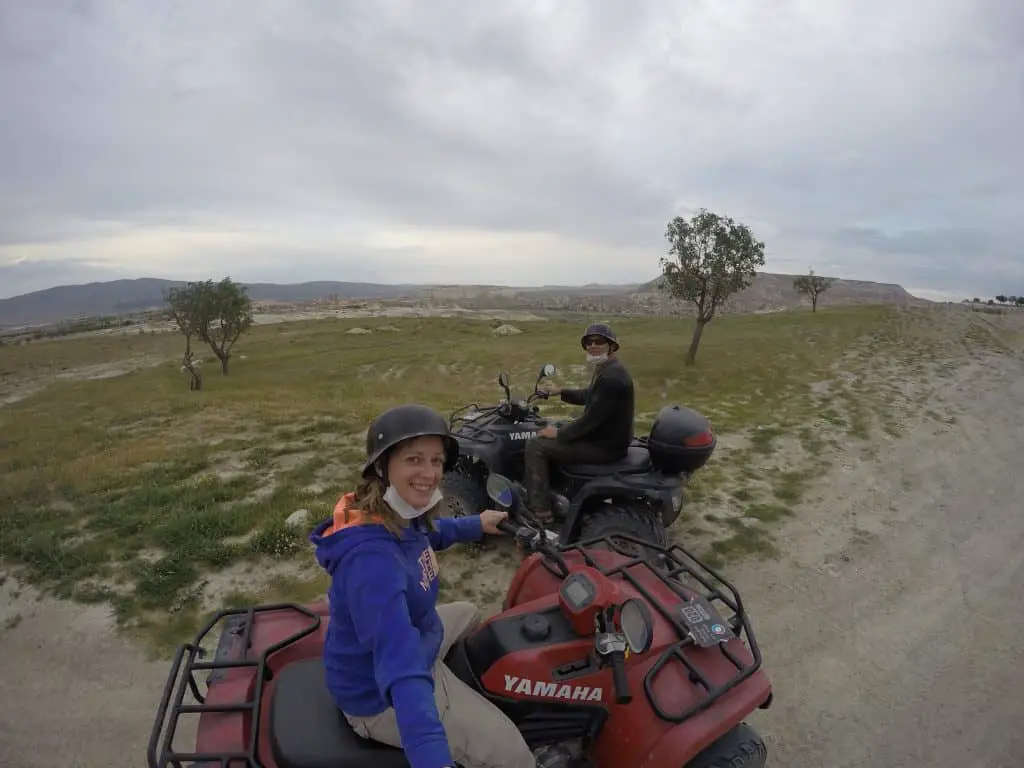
x,y
479,734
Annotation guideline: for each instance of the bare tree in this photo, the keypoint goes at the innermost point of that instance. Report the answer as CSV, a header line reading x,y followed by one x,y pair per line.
x,y
710,258
183,311
190,365
812,285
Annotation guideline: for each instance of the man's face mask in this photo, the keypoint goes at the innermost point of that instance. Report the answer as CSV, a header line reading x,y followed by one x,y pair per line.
x,y
596,349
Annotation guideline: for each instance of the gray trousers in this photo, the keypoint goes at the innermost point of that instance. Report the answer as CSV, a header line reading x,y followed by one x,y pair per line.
x,y
479,734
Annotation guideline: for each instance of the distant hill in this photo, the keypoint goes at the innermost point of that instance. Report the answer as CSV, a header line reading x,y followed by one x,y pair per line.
x,y
128,296
770,292
773,292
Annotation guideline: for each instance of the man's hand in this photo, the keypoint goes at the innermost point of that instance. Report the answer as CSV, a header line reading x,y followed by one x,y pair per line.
x,y
552,390
548,431
489,520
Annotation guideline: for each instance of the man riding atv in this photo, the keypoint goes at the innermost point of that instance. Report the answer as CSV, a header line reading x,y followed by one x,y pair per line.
x,y
601,435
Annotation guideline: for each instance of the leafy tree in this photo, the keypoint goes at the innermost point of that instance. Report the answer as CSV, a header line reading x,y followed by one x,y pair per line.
x,y
710,257
812,285
215,313
1020,301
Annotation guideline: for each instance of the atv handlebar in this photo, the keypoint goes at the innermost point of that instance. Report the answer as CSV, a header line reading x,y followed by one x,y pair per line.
x,y
513,408
611,646
507,526
533,540
529,537
622,693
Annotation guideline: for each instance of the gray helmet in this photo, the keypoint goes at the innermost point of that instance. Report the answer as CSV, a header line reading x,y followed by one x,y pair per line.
x,y
402,423
599,329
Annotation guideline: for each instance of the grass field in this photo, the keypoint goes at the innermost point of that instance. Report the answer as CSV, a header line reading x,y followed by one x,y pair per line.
x,y
166,503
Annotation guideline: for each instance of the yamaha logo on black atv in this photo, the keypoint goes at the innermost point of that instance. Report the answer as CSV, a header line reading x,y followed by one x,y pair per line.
x,y
521,435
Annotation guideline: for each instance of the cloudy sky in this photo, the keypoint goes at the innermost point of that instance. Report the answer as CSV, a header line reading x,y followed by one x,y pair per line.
x,y
513,142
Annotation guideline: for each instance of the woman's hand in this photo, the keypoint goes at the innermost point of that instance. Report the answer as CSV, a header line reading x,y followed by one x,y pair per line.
x,y
490,518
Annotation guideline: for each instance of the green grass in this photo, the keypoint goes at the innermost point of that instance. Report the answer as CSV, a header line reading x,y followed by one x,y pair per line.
x,y
743,539
132,489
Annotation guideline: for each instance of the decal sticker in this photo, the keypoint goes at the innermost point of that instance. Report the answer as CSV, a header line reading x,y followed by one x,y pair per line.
x,y
428,568
547,690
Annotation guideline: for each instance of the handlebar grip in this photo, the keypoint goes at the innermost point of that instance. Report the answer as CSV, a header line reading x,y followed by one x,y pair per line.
x,y
508,527
622,694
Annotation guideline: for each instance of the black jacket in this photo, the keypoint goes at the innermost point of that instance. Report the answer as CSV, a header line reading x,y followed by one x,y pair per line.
x,y
607,418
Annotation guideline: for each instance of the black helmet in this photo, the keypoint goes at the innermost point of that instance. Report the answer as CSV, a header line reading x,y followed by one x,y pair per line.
x,y
599,329
404,422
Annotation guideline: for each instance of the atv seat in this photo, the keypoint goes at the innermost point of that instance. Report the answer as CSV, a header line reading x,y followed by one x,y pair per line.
x,y
308,731
636,460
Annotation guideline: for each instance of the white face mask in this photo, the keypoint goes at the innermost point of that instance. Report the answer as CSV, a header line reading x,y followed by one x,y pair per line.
x,y
595,359
406,510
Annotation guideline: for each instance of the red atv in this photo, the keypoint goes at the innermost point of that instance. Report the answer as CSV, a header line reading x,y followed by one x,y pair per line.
x,y
626,665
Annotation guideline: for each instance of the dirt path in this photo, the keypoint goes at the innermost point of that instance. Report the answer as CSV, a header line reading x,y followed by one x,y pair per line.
x,y
891,622
893,630
75,695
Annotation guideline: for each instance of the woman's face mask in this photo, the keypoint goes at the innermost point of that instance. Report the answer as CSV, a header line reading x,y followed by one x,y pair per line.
x,y
406,510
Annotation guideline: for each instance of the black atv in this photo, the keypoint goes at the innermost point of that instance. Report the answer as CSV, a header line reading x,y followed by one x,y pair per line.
x,y
640,495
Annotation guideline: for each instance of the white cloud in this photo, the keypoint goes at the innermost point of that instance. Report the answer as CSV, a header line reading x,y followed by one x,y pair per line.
x,y
521,142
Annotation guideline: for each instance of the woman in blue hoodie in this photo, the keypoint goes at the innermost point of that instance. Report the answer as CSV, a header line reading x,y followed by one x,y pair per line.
x,y
385,644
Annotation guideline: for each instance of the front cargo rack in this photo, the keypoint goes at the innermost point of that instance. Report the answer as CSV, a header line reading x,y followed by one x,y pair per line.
x,y
187,662
697,621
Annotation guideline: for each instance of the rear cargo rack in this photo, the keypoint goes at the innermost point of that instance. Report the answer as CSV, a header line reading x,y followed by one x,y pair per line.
x,y
460,420
713,588
187,662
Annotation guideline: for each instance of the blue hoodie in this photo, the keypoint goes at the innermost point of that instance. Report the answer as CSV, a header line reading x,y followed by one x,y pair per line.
x,y
384,634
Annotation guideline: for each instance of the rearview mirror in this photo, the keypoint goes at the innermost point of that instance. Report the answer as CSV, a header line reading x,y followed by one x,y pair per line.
x,y
548,370
637,625
500,489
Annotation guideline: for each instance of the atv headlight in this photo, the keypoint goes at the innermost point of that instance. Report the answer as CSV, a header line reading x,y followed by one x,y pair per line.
x,y
677,501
